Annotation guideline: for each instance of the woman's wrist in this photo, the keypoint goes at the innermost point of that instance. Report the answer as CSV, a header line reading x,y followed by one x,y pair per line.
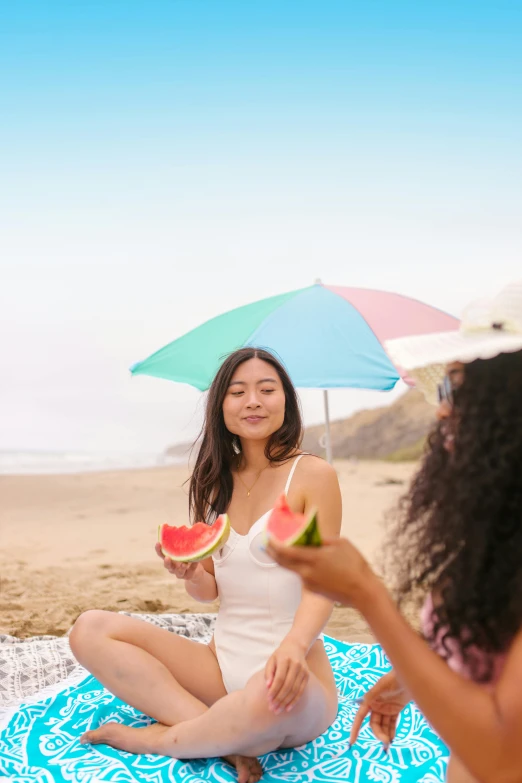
x,y
202,587
198,577
295,638
370,596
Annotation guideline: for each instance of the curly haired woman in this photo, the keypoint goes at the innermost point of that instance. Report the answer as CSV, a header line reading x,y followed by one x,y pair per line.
x,y
457,543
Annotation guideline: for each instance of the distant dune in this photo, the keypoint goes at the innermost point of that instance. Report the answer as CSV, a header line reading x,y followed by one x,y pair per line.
x,y
394,432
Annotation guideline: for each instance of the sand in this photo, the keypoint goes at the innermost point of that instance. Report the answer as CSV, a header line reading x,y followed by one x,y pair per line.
x,y
71,543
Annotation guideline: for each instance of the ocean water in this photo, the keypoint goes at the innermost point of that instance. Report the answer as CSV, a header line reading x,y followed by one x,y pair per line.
x,y
41,462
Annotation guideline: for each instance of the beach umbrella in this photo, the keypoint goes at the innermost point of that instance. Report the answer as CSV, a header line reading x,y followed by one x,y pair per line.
x,y
327,337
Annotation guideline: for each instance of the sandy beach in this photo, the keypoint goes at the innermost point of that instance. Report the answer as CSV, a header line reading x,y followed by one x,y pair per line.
x,y
75,542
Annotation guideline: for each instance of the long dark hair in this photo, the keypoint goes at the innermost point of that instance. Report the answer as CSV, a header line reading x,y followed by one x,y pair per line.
x,y
458,531
211,483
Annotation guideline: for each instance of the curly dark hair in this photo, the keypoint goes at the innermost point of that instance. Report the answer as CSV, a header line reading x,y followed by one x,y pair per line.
x,y
458,531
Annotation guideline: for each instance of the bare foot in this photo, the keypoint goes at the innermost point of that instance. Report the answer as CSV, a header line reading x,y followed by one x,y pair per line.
x,y
138,741
149,739
249,770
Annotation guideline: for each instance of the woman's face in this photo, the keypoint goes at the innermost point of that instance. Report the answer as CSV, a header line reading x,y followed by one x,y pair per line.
x,y
254,405
445,411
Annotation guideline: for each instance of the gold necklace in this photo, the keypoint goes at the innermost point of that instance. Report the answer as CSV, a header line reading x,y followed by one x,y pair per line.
x,y
249,490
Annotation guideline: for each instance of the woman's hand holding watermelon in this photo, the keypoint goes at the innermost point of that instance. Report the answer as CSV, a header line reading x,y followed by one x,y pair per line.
x,y
336,570
199,579
185,571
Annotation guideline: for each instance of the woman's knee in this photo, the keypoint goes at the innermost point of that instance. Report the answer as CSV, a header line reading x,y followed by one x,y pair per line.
x,y
89,626
256,702
315,711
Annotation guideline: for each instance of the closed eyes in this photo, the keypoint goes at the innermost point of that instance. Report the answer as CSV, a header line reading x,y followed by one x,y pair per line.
x,y
263,391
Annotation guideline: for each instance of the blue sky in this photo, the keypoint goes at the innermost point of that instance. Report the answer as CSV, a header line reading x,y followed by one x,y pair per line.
x,y
163,161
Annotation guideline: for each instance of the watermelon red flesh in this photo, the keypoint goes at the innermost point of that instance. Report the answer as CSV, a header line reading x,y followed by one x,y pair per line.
x,y
191,544
292,528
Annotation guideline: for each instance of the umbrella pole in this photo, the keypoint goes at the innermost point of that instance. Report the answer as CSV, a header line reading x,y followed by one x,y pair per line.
x,y
328,439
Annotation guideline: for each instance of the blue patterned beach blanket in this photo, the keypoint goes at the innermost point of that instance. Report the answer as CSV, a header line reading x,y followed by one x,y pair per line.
x,y
39,741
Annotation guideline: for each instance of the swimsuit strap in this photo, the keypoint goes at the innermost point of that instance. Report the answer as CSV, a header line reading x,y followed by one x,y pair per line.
x,y
291,474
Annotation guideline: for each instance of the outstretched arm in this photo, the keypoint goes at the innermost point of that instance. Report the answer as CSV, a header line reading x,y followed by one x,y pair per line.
x,y
482,726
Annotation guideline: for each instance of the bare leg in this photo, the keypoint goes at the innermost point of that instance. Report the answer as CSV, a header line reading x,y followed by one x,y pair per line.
x,y
239,723
159,673
163,675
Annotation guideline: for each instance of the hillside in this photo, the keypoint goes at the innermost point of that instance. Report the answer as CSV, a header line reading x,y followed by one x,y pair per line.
x,y
394,432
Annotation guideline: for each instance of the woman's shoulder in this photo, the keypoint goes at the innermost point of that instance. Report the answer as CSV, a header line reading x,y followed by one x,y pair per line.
x,y
315,468
317,486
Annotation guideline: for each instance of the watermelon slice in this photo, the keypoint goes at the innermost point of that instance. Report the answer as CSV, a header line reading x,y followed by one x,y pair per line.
x,y
192,544
292,529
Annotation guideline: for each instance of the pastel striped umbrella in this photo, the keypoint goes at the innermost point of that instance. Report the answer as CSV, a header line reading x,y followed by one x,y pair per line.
x,y
327,337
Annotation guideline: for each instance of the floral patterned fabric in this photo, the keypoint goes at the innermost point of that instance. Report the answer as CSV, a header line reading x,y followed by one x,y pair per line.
x,y
39,740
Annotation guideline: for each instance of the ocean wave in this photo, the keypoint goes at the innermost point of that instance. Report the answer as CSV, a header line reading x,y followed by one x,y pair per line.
x,y
39,463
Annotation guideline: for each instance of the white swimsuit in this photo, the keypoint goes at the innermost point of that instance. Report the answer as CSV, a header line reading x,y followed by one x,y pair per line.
x,y
258,602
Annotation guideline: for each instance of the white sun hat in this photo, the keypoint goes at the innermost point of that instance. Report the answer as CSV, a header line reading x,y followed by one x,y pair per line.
x,y
488,327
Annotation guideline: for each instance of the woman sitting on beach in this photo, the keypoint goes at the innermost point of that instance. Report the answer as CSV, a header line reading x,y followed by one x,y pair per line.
x,y
458,540
264,681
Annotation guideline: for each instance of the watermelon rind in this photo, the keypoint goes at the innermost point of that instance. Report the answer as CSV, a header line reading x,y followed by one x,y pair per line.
x,y
310,536
202,553
307,535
